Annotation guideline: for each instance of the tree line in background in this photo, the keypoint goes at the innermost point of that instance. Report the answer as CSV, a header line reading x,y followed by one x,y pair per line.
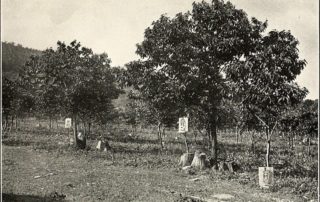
x,y
212,64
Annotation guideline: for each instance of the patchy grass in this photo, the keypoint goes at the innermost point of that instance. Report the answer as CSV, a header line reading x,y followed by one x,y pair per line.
x,y
40,164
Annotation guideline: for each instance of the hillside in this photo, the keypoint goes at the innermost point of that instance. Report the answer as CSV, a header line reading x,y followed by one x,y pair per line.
x,y
14,56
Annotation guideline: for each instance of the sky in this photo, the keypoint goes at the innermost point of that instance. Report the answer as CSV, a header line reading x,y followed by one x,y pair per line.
x,y
116,26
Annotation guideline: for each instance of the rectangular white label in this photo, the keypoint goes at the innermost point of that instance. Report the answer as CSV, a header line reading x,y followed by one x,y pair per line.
x,y
67,123
265,177
183,125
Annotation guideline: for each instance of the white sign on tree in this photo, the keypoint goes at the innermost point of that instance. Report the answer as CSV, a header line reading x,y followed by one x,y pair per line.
x,y
67,123
183,125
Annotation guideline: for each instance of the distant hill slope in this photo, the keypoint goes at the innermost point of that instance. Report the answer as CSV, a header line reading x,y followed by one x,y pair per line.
x,y
14,56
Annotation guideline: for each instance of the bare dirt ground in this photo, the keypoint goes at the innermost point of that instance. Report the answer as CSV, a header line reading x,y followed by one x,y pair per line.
x,y
41,165
31,174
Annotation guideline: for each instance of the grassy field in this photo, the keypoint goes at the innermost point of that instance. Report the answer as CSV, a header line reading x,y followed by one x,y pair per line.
x,y
40,165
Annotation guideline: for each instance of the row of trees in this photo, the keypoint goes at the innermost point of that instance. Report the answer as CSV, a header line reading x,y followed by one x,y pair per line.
x,y
198,61
15,103
70,81
212,64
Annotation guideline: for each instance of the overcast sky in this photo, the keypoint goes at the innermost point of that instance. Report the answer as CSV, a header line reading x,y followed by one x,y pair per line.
x,y
116,26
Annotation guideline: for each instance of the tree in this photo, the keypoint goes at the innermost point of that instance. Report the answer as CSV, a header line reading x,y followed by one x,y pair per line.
x,y
74,82
15,102
302,120
149,101
187,55
263,79
135,111
14,56
309,117
9,94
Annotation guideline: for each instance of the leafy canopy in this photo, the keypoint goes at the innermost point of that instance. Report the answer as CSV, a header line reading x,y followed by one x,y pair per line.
x,y
182,57
73,81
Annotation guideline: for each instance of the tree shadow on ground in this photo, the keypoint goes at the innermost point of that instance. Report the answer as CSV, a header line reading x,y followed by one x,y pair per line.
x,y
128,139
16,142
147,150
28,198
241,147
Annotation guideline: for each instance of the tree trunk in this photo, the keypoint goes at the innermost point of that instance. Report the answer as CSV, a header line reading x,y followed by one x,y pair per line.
x,y
80,144
214,147
132,129
163,136
50,123
10,122
16,122
195,136
159,135
5,124
84,141
289,140
186,142
163,132
210,139
12,119
237,135
309,144
268,146
75,131
252,142
294,139
88,133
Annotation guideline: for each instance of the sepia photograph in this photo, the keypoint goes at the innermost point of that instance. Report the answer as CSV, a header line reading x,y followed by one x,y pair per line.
x,y
159,100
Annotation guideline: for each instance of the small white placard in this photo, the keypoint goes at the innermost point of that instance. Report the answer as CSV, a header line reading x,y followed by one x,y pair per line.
x,y
99,145
183,125
265,177
67,123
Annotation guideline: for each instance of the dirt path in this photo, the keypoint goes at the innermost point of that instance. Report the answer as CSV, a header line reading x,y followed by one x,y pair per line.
x,y
36,175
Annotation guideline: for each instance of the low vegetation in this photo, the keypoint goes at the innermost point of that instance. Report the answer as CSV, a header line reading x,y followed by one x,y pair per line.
x,y
295,170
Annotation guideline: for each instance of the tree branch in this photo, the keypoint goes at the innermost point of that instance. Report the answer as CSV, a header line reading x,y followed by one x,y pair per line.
x,y
261,120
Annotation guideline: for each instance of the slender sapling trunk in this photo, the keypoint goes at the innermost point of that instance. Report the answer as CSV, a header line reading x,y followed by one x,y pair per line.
x,y
186,142
309,146
268,146
237,135
160,136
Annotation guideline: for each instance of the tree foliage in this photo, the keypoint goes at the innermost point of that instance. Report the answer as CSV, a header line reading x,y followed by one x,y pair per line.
x,y
187,54
264,79
198,60
15,101
302,119
73,81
